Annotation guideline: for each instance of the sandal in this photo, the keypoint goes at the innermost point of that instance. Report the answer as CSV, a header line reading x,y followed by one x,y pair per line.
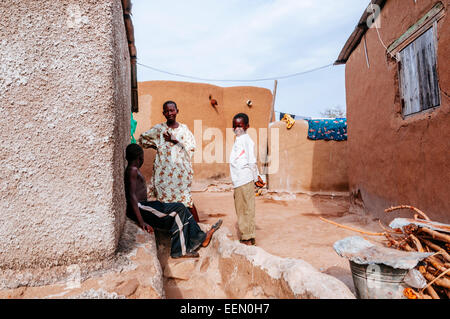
x,y
209,234
248,242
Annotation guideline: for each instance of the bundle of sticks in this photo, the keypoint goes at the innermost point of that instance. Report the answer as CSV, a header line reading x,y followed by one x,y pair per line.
x,y
435,269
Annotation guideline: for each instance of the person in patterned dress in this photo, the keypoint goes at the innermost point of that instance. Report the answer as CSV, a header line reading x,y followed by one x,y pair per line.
x,y
172,169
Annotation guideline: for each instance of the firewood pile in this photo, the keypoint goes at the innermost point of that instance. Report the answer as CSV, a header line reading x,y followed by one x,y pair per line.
x,y
434,269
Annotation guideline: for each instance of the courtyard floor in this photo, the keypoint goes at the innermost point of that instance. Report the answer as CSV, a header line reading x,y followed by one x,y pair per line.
x,y
289,226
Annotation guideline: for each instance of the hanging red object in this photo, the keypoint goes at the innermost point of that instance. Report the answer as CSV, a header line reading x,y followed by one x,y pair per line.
x,y
213,101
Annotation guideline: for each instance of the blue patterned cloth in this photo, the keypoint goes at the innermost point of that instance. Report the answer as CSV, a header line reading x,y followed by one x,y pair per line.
x,y
329,129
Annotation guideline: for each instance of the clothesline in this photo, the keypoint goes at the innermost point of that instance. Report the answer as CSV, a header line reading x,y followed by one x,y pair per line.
x,y
280,77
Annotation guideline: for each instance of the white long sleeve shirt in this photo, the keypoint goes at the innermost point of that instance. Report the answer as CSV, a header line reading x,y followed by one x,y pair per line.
x,y
243,168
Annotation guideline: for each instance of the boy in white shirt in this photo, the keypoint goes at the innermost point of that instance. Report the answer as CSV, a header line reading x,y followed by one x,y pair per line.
x,y
244,173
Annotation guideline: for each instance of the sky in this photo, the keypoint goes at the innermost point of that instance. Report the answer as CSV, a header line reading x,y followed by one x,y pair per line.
x,y
250,39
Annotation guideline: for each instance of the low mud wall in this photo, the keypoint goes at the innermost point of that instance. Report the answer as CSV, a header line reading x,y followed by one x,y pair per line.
x,y
211,126
307,166
143,269
228,269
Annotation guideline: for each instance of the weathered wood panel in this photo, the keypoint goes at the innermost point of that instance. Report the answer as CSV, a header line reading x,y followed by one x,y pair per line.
x,y
428,79
419,80
435,14
409,81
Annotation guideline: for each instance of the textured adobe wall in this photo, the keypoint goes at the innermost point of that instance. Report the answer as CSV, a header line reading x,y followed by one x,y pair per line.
x,y
307,166
194,104
64,99
394,160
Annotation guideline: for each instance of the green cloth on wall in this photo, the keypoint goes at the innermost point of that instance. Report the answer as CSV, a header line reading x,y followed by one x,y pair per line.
x,y
133,124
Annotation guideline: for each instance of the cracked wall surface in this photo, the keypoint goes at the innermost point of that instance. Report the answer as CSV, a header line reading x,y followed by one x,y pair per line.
x,y
65,104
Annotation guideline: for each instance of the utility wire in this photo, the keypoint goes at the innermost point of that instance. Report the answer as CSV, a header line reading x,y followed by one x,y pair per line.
x,y
372,6
229,80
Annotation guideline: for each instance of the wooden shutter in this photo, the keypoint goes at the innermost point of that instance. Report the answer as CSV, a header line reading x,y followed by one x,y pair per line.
x,y
418,74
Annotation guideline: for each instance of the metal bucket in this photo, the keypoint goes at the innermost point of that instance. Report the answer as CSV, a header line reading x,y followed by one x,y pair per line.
x,y
378,281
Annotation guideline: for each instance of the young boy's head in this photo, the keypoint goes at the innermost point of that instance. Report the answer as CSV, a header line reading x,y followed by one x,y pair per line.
x,y
240,122
170,110
134,152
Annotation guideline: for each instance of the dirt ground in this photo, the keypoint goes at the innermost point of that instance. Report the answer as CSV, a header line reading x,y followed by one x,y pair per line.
x,y
289,226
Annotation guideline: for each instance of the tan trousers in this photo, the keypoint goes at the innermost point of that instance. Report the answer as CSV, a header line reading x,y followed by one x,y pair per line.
x,y
244,203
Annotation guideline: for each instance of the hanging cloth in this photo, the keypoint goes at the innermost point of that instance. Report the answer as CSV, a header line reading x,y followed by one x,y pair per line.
x,y
329,129
289,120
133,124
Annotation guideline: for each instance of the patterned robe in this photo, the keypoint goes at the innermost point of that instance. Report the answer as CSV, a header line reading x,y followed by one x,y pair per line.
x,y
172,170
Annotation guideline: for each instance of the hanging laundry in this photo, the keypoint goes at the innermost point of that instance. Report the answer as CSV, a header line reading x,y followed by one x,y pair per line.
x,y
133,124
289,120
328,129
292,115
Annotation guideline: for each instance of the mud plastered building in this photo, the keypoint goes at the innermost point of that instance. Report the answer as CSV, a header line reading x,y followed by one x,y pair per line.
x,y
65,100
398,108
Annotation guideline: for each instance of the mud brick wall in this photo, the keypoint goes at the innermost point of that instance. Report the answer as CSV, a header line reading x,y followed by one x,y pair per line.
x,y
395,160
207,123
65,105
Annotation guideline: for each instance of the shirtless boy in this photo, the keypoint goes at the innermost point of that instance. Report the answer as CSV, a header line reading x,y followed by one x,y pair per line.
x,y
186,235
